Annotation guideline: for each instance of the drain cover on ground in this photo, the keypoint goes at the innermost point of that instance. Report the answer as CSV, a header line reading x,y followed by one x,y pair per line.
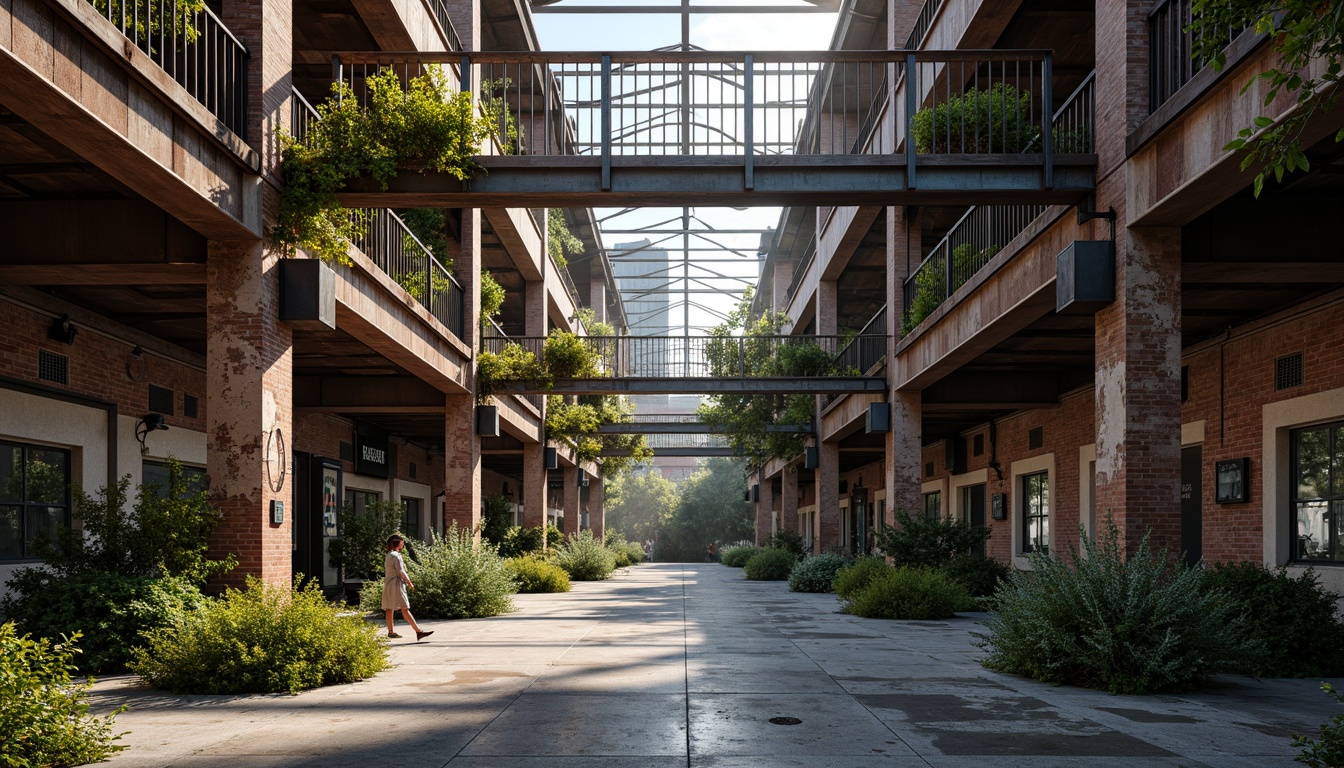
x,y
785,720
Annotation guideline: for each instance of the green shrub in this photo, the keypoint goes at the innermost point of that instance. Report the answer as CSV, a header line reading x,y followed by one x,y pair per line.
x,y
816,573
534,575
584,558
910,593
361,549
1292,618
263,639
918,540
930,285
109,610
855,577
457,578
44,718
997,119
789,541
770,565
1101,621
517,541
977,573
736,557
634,552
1327,751
496,518
625,553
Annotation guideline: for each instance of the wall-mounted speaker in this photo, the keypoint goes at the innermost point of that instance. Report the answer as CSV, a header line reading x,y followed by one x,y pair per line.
x,y
811,457
551,458
879,418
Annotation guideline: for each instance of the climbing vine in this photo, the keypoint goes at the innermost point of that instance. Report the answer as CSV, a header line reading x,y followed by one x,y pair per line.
x,y
422,127
560,242
577,425
492,297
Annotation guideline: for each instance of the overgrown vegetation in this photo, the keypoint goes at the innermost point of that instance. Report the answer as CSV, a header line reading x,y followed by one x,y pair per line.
x,y
423,126
560,242
1101,620
741,346
997,119
919,540
536,575
769,565
980,575
361,549
627,553
639,503
492,297
517,541
145,20
789,541
576,424
584,558
262,639
1308,38
855,577
44,715
1328,750
931,281
816,573
454,577
503,122
1292,620
912,593
737,557
711,509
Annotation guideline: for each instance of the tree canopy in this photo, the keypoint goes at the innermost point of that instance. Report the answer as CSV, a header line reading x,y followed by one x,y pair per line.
x,y
711,508
639,503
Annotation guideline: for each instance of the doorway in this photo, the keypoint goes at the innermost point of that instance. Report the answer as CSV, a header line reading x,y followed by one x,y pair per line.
x,y
973,507
1192,504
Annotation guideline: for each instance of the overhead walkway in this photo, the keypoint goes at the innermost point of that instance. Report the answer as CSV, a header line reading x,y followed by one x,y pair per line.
x,y
671,128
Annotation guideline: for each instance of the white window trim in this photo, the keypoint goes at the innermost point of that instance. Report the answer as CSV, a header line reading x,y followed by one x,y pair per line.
x,y
1087,469
1034,465
958,482
935,486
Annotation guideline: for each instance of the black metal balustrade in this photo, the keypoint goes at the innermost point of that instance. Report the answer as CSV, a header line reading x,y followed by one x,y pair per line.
x,y
440,9
866,350
1172,60
923,23
193,47
391,245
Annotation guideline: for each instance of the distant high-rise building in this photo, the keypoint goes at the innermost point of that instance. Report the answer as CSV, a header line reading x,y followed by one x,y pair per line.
x,y
643,276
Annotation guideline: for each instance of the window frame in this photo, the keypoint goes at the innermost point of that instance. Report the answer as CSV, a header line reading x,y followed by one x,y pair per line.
x,y
1026,545
1333,501
23,504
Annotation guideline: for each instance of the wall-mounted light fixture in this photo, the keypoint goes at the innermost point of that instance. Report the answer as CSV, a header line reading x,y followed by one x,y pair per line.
x,y
62,330
150,422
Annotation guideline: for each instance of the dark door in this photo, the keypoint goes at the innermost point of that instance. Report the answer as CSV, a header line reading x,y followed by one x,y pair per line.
x,y
973,503
1192,504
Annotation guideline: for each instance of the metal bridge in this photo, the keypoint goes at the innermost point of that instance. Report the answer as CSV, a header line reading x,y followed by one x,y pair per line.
x,y
670,128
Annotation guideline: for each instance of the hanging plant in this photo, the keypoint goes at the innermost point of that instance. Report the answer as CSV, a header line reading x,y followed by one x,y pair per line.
x,y
424,126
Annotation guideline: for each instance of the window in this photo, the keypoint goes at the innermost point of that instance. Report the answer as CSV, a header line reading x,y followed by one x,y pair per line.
x,y
410,516
360,501
933,505
34,496
1036,513
156,474
1318,492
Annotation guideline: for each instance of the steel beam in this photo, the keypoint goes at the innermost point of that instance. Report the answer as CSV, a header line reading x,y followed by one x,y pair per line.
x,y
697,385
665,428
789,180
675,452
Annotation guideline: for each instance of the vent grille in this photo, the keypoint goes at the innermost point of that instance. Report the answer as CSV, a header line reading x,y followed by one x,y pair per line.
x,y
53,367
191,406
1288,371
161,400
978,445
1036,437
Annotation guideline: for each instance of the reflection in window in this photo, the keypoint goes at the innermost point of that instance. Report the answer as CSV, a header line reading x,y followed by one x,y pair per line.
x,y
1318,492
933,505
159,476
1036,513
34,496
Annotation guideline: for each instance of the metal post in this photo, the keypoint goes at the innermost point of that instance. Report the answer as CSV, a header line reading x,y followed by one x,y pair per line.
x,y
911,102
1047,122
606,122
465,74
337,75
748,126
741,357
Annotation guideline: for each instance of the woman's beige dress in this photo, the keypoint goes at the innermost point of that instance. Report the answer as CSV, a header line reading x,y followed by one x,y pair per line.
x,y
394,587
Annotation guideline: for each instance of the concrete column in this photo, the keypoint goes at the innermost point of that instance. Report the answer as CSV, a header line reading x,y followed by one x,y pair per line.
x,y
597,507
788,501
462,465
1138,391
903,444
597,299
534,308
249,410
828,496
534,485
571,501
779,293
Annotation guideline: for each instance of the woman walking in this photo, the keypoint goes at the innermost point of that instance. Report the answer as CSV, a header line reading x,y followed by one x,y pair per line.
x,y
395,583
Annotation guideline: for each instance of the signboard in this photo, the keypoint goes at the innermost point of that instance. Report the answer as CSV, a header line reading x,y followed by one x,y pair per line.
x,y
371,456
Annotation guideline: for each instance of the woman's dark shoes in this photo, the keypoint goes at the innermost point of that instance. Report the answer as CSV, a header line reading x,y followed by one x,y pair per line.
x,y
422,635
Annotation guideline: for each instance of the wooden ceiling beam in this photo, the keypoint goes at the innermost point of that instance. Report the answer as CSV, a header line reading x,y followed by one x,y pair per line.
x,y
102,274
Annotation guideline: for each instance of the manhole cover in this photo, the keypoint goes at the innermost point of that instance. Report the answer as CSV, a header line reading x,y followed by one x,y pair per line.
x,y
785,720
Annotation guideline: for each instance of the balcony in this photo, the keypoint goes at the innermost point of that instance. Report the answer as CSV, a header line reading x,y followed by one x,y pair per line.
x,y
194,48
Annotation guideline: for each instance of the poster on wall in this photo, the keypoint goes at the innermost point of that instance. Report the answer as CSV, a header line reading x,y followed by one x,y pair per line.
x,y
330,499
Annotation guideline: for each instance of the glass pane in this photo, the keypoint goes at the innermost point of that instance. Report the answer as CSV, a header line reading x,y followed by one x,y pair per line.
x,y
1043,481
1313,463
46,470
11,472
1313,531
156,475
42,523
1337,464
1337,517
11,533
1044,539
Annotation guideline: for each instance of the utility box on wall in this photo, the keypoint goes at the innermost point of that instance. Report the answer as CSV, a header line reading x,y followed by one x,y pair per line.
x,y
1084,277
307,294
487,420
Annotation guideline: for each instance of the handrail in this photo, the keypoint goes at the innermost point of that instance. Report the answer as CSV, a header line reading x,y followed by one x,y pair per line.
x,y
1172,61
197,50
441,15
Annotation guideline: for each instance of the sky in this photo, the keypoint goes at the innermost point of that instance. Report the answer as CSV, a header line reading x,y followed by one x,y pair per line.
x,y
720,32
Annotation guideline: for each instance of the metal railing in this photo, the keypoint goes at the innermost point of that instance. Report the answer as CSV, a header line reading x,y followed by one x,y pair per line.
x,y
701,103
985,230
923,23
694,356
1172,60
193,47
440,9
391,245
657,441
800,274
866,350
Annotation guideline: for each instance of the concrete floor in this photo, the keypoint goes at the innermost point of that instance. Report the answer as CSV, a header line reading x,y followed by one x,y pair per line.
x,y
684,665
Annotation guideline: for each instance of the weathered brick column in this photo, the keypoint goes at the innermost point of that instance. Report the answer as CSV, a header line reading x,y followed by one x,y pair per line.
x,y
903,445
249,352
828,466
249,410
1138,391
597,507
461,445
534,485
788,500
571,501
765,508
